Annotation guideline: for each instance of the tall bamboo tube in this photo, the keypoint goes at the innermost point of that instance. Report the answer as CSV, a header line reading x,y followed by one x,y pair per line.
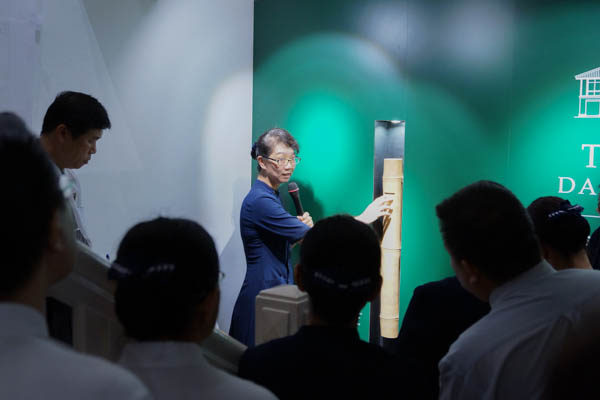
x,y
393,177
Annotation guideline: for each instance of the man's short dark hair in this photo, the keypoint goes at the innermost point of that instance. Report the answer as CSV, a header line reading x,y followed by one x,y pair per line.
x,y
80,112
165,268
486,225
30,197
340,261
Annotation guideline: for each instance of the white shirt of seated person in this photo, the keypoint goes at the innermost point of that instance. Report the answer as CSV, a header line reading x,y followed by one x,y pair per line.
x,y
34,366
177,369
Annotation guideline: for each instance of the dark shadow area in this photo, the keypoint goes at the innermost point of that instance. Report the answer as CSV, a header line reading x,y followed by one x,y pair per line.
x,y
307,195
233,262
59,317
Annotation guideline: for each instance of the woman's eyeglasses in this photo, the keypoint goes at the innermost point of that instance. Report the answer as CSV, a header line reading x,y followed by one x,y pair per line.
x,y
284,161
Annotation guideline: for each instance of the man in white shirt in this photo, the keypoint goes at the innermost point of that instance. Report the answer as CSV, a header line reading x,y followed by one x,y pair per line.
x,y
509,353
38,249
72,125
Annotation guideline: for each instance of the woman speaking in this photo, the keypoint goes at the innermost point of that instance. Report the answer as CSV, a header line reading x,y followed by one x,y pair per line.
x,y
269,231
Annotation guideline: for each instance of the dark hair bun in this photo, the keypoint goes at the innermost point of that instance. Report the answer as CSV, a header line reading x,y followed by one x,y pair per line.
x,y
167,267
559,225
253,151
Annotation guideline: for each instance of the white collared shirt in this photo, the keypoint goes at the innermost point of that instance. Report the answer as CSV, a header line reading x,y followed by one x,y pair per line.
x,y
179,370
33,366
507,354
75,204
77,208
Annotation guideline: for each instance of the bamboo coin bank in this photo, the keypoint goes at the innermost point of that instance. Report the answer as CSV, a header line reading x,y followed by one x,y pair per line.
x,y
390,249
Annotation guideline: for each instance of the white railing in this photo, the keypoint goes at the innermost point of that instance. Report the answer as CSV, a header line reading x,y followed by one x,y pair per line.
x,y
95,327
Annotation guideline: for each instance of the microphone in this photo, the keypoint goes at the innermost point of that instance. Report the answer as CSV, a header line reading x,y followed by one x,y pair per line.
x,y
294,191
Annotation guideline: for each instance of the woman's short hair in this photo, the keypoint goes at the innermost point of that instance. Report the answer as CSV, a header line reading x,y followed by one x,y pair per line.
x,y
164,269
265,143
559,225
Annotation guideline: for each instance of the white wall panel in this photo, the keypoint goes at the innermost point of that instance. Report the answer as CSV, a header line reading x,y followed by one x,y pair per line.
x,y
176,79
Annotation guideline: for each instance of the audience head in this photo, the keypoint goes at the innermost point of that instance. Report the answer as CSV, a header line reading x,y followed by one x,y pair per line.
x,y
339,267
37,230
72,125
561,229
13,127
167,273
488,235
266,143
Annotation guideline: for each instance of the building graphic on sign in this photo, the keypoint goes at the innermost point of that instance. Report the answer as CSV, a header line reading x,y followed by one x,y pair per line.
x,y
589,94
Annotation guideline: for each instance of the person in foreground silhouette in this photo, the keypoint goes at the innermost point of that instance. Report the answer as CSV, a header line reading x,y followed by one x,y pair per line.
x,y
38,250
508,354
340,270
167,298
437,314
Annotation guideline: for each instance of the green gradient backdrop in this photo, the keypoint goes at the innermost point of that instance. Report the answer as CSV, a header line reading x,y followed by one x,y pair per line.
x,y
486,87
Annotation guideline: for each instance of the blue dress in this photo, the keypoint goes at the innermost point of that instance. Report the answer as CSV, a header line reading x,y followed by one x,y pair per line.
x,y
268,231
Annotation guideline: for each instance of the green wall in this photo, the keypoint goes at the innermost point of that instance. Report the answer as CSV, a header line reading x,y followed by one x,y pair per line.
x,y
487,90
